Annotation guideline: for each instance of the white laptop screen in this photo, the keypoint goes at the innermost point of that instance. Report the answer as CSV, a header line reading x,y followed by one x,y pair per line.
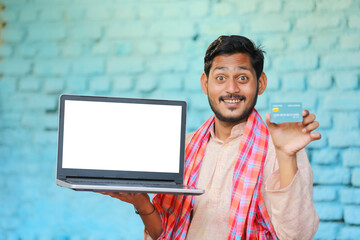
x,y
121,136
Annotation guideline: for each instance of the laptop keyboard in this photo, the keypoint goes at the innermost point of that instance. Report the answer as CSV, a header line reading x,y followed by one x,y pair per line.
x,y
108,182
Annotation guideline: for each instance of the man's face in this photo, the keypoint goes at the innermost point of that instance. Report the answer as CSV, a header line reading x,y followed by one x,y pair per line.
x,y
232,87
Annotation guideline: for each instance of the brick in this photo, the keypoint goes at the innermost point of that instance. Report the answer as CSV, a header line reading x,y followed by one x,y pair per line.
x,y
49,50
350,196
45,138
100,84
125,12
147,47
123,48
333,175
325,157
29,14
333,5
301,61
298,42
354,21
146,83
343,102
271,6
199,101
192,82
347,80
6,51
273,81
85,31
72,50
318,22
245,7
52,67
329,211
124,65
323,194
328,230
53,85
350,41
296,6
274,43
346,121
324,118
126,30
324,41
167,63
9,16
320,80
150,12
355,177
89,66
178,10
123,83
8,85
198,9
77,84
98,13
12,35
343,138
171,82
74,13
29,84
351,215
170,47
341,60
172,28
349,233
270,24
262,103
15,67
218,28
42,102
351,158
46,31
27,50
293,81
222,9
9,120
51,14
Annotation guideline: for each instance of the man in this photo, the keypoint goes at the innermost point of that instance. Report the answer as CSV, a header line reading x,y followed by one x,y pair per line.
x,y
257,185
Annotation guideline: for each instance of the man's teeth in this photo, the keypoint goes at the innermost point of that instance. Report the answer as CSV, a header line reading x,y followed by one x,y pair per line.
x,y
232,100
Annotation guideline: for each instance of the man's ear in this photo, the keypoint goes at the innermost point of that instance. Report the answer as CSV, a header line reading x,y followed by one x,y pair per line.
x,y
204,83
262,83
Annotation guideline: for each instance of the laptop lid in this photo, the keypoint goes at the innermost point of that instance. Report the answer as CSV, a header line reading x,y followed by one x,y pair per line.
x,y
121,138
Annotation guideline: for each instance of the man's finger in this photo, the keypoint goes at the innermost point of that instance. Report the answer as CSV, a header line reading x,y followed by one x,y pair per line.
x,y
309,119
315,136
311,127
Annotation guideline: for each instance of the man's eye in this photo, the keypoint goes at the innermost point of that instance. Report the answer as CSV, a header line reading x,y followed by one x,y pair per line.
x,y
243,78
220,78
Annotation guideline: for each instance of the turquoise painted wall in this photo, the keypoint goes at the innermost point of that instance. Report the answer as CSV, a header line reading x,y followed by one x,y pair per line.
x,y
155,49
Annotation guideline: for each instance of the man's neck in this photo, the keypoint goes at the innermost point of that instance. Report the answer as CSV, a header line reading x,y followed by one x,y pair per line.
x,y
223,129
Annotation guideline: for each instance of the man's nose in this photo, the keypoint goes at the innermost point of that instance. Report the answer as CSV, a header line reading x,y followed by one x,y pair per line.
x,y
232,86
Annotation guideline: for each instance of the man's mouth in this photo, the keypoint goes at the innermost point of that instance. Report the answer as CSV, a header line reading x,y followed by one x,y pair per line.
x,y
232,99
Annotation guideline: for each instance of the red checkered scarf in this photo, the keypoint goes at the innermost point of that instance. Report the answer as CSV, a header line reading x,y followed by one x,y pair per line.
x,y
248,216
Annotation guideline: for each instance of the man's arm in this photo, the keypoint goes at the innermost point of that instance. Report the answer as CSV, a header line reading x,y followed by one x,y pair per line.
x,y
290,138
148,213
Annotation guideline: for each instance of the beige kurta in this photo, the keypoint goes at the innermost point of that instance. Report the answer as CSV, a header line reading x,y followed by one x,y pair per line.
x,y
291,209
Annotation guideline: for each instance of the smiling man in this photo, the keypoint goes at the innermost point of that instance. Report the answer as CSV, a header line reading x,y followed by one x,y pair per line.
x,y
256,176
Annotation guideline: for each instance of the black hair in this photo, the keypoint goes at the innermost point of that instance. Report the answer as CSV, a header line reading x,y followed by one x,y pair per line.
x,y
227,45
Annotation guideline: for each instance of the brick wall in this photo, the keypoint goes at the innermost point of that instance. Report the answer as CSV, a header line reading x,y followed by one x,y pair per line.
x,y
155,49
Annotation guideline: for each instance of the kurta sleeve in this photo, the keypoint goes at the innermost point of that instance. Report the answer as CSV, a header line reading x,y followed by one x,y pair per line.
x,y
291,209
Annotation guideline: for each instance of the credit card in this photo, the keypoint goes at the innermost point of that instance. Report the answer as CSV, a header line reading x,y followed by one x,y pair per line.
x,y
286,112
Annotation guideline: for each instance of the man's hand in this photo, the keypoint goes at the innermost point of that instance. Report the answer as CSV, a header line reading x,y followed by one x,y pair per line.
x,y
289,138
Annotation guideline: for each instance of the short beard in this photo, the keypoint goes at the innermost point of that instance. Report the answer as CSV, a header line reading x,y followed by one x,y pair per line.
x,y
244,116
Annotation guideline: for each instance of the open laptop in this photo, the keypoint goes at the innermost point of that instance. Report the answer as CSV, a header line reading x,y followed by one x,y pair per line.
x,y
116,144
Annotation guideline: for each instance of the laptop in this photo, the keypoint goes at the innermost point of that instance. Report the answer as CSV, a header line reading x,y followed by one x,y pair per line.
x,y
113,144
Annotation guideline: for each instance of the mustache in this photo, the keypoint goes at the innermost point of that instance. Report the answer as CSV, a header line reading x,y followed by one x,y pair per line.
x,y
232,96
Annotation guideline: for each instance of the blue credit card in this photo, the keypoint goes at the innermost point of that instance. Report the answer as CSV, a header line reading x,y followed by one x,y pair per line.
x,y
286,112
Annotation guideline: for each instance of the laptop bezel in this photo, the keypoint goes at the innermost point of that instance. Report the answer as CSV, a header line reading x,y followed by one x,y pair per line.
x,y
63,173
